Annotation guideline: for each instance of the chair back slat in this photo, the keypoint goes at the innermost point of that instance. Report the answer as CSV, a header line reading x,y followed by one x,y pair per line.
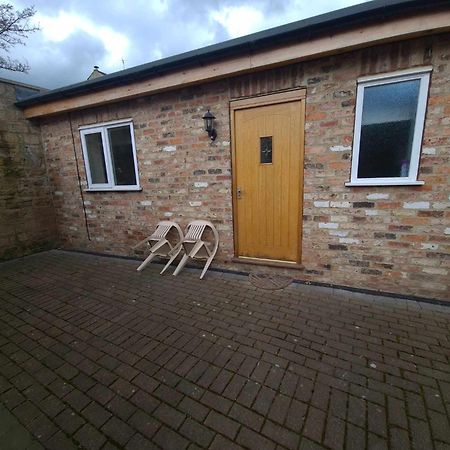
x,y
195,232
161,231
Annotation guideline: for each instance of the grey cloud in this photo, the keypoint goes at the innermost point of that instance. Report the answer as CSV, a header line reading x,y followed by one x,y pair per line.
x,y
53,66
185,25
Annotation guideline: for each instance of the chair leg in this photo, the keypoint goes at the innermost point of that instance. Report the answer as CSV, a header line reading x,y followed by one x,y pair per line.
x,y
175,254
146,261
181,264
208,263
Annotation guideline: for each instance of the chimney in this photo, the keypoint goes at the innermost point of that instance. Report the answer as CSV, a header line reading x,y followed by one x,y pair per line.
x,y
96,73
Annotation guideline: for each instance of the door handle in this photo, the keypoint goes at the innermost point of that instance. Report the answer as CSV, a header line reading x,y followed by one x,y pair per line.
x,y
238,193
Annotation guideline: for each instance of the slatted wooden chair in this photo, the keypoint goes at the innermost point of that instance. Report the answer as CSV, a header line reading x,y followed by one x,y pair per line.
x,y
196,247
160,245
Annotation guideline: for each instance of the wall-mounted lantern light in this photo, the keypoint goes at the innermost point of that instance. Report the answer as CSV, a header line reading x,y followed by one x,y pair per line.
x,y
209,125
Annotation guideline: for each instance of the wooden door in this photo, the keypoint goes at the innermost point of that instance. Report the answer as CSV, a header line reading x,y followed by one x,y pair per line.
x,y
268,176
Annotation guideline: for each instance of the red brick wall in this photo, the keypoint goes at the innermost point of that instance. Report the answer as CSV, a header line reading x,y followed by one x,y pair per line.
x,y
394,239
27,222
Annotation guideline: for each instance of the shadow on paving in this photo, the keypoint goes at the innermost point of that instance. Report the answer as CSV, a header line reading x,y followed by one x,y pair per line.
x,y
95,355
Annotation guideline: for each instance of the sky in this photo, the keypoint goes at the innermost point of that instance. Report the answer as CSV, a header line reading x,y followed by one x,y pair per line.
x,y
75,35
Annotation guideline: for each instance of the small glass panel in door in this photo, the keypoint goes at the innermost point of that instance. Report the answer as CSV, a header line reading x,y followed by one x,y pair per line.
x,y
266,150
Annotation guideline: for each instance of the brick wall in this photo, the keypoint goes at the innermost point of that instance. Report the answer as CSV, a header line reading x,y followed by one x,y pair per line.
x,y
394,239
26,211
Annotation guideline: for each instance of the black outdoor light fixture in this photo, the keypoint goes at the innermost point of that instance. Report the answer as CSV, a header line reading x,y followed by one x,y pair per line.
x,y
209,122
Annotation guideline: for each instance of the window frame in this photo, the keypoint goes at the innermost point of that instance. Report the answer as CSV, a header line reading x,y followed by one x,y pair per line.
x,y
423,74
103,128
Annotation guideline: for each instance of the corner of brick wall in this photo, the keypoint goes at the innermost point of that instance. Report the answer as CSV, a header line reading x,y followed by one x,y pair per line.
x,y
27,222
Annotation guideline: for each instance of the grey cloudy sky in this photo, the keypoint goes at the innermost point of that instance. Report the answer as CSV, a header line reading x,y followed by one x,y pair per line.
x,y
75,35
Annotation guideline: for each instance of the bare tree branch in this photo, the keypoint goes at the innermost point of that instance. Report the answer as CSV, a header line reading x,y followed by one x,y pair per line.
x,y
15,26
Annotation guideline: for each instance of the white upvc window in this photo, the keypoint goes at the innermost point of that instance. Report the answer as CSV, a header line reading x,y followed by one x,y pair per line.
x,y
110,158
389,122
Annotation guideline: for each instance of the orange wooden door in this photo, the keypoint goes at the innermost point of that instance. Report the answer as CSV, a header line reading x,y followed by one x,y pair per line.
x,y
268,180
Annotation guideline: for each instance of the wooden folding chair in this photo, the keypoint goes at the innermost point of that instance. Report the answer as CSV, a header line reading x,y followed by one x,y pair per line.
x,y
160,245
196,248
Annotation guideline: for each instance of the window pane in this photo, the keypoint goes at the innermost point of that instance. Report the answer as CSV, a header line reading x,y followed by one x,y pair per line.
x,y
266,150
387,129
122,155
96,158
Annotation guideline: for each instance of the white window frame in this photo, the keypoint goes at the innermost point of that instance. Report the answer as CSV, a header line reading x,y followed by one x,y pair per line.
x,y
422,74
103,128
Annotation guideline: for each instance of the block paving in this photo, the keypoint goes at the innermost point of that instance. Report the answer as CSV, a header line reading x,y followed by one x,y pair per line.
x,y
94,355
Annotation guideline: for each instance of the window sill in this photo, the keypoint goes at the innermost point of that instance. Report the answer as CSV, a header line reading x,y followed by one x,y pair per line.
x,y
384,183
138,189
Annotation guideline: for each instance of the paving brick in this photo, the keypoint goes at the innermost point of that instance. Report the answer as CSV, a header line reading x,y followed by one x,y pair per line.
x,y
59,441
145,401
248,393
334,433
169,439
96,414
145,423
12,398
440,426
42,428
67,371
304,390
26,412
246,417
146,382
234,387
168,415
264,399
101,394
214,401
376,416
117,430
221,381
222,424
222,443
123,388
399,439
306,444
51,405
77,400
120,407
197,433
168,395
315,424
139,442
357,411
251,439
355,437
193,409
280,435
104,376
190,389
397,412
69,421
89,437
279,408
296,415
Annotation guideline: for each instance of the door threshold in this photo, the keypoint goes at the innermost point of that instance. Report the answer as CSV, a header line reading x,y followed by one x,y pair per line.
x,y
267,262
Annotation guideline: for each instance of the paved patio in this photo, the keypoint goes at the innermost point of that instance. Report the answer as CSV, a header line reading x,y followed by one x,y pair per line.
x,y
94,355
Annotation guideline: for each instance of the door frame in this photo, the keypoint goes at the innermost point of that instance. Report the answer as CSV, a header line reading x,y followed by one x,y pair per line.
x,y
252,102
